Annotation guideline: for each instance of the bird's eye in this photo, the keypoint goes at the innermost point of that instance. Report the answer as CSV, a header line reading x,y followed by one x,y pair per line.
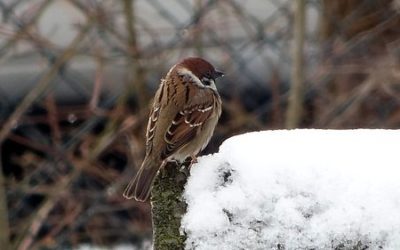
x,y
206,81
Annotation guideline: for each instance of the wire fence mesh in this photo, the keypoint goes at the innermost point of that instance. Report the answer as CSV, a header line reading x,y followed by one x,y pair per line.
x,y
76,78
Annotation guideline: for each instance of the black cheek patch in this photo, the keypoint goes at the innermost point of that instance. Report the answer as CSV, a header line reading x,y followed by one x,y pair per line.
x,y
206,81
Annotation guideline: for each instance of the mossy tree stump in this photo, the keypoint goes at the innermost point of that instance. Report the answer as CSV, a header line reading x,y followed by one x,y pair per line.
x,y
168,206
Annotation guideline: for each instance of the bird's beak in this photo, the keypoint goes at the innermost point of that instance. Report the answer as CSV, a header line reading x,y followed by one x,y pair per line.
x,y
218,74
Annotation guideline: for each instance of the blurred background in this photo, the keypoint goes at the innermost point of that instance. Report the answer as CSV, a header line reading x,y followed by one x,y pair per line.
x,y
77,77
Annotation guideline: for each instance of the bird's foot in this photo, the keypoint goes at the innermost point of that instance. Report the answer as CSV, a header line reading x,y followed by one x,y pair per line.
x,y
193,160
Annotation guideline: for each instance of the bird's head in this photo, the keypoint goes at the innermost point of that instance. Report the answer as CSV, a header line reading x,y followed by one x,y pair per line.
x,y
201,69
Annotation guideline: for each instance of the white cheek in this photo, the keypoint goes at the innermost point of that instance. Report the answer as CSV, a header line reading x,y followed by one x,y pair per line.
x,y
189,74
196,80
212,85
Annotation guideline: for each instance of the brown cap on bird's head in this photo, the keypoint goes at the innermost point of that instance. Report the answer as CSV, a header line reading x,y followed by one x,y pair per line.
x,y
200,68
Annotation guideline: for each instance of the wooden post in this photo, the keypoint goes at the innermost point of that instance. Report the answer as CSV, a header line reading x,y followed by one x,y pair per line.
x,y
168,207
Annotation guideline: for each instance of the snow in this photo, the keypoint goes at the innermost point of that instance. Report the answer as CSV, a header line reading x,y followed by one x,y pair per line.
x,y
297,189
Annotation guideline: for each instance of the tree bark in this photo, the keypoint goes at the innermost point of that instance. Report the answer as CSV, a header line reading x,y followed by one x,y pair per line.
x,y
168,207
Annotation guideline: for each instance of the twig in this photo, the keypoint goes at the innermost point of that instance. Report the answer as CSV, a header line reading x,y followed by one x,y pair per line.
x,y
26,239
43,85
36,224
347,105
98,82
52,115
24,30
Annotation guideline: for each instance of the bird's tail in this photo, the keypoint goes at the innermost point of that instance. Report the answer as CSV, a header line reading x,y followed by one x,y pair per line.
x,y
140,186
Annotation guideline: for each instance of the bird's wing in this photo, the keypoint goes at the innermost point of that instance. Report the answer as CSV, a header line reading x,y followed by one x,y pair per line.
x,y
153,117
188,122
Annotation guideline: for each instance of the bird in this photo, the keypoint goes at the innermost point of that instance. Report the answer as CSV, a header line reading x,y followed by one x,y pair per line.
x,y
182,119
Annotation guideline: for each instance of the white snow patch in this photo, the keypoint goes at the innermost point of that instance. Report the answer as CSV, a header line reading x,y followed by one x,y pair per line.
x,y
301,189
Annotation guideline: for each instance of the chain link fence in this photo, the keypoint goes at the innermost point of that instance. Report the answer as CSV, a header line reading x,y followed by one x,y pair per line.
x,y
76,77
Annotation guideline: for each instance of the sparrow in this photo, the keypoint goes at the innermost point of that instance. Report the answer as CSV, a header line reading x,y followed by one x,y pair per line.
x,y
185,111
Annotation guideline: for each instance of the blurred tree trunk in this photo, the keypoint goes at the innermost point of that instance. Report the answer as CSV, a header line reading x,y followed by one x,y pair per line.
x,y
4,225
295,107
138,76
168,207
198,32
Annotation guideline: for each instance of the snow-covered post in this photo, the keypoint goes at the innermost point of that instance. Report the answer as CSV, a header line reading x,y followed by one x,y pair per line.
x,y
339,189
168,207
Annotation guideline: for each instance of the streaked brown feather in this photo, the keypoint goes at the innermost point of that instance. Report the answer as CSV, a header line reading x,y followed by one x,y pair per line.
x,y
153,117
188,122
